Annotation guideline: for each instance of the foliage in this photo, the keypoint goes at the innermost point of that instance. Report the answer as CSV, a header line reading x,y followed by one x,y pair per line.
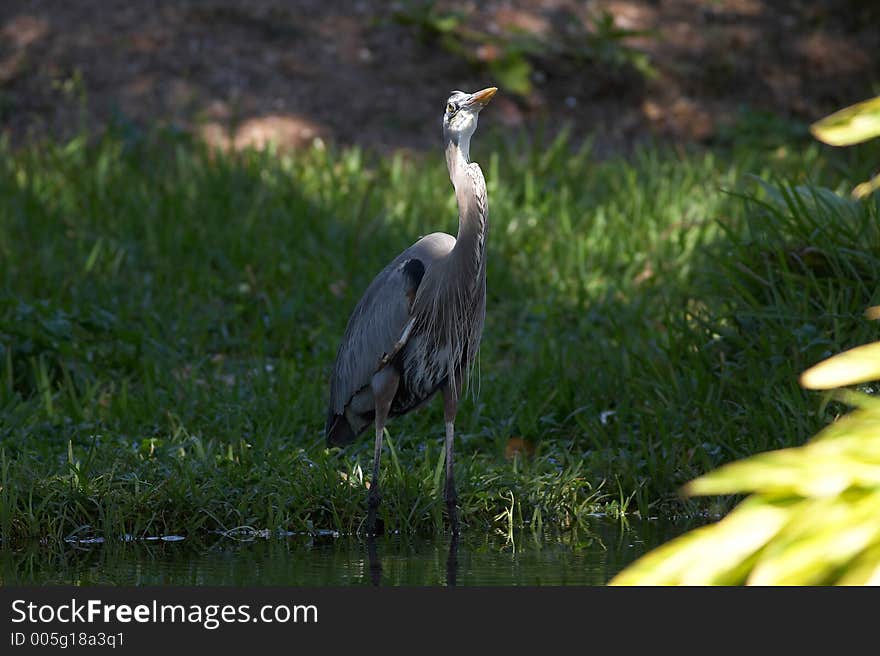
x,y
168,316
511,56
849,126
811,517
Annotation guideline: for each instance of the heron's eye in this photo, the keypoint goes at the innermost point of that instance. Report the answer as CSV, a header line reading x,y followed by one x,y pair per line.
x,y
450,108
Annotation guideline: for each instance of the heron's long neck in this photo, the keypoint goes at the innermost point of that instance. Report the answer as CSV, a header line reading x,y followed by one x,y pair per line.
x,y
470,193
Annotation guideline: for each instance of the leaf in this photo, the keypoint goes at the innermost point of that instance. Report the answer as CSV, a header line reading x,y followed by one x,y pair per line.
x,y
446,23
823,468
851,125
395,461
776,468
867,188
820,537
863,570
772,192
858,365
438,471
817,198
514,73
715,555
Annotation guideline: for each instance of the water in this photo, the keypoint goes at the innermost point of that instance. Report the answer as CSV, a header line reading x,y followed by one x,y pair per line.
x,y
583,557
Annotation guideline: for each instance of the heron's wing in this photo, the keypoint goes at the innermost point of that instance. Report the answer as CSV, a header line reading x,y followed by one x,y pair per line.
x,y
377,323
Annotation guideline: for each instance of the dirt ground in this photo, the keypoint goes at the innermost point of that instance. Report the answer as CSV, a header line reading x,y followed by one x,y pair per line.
x,y
241,73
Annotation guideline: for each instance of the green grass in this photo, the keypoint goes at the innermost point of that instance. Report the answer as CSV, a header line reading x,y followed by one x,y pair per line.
x,y
168,318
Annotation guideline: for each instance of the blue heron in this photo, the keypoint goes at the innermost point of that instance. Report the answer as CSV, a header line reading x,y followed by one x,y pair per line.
x,y
417,328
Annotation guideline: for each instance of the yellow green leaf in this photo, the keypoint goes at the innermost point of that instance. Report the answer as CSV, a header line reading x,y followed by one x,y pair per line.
x,y
711,555
777,469
820,537
858,365
821,469
867,188
864,570
850,125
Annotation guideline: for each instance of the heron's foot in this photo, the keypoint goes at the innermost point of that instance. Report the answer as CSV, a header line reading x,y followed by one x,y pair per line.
x,y
374,524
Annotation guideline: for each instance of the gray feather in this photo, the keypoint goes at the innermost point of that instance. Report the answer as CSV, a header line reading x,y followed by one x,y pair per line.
x,y
424,313
375,326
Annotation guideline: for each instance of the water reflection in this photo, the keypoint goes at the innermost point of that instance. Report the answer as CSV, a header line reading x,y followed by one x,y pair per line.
x,y
582,557
375,563
451,560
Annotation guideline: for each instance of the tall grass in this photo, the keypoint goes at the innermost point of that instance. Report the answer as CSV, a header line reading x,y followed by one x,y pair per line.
x,y
168,317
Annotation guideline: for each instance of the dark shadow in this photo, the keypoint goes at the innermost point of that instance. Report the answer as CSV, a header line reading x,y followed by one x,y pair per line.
x,y
375,563
452,561
261,74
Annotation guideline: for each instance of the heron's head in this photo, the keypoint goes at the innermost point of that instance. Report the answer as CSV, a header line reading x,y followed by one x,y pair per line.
x,y
462,109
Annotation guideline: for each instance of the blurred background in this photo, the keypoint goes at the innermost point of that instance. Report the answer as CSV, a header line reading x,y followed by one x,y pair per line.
x,y
375,73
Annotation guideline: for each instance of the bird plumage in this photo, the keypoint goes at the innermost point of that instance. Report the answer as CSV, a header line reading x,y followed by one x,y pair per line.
x,y
373,329
417,328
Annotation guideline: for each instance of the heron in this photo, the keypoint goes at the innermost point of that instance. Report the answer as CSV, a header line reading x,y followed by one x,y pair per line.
x,y
417,328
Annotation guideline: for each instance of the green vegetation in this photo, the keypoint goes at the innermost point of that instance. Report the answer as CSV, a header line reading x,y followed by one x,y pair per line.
x,y
811,517
512,55
852,125
168,317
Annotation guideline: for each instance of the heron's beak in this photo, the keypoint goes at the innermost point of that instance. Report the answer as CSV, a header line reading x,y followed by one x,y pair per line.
x,y
483,97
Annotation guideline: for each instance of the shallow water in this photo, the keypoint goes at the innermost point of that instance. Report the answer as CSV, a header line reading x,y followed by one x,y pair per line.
x,y
583,557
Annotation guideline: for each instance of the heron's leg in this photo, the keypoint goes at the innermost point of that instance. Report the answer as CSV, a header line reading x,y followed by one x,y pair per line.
x,y
450,407
373,498
384,387
404,336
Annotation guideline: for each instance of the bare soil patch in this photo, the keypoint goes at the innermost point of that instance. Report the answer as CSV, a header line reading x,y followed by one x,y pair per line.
x,y
244,73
